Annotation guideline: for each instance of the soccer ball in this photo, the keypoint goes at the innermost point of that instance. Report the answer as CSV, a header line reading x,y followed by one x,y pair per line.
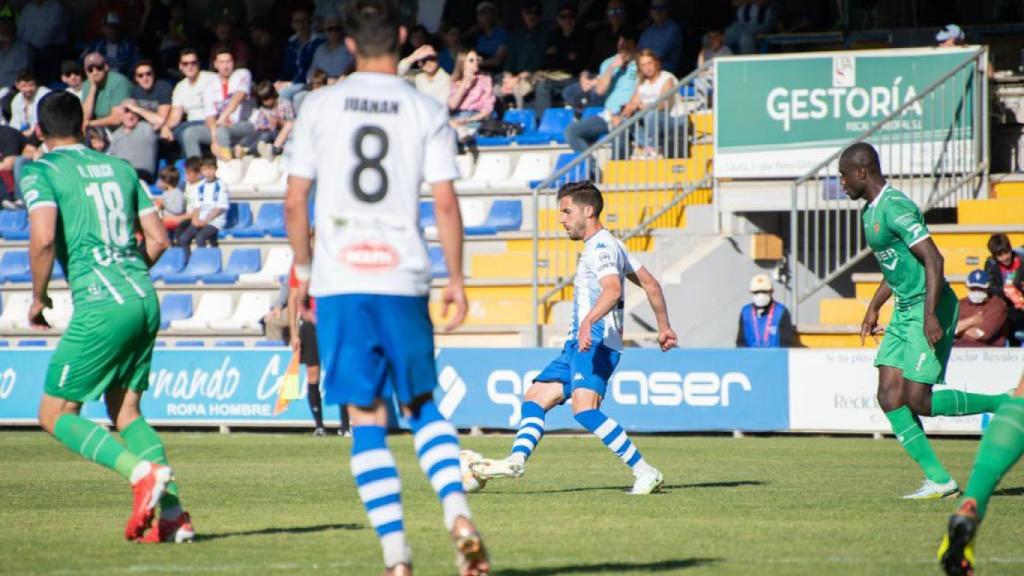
x,y
470,482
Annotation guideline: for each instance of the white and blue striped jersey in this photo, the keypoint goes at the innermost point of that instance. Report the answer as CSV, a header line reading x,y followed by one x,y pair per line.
x,y
603,255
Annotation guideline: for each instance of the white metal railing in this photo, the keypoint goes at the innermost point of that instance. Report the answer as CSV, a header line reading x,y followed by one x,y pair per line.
x,y
646,168
937,159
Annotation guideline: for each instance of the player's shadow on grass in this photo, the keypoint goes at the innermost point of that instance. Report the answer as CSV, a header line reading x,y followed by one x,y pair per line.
x,y
272,531
609,567
1015,491
694,486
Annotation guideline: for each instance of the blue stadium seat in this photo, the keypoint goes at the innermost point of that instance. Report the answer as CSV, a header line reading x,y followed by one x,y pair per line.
x,y
14,224
427,218
242,260
171,262
229,343
591,111
189,344
204,261
14,267
161,344
524,117
437,266
4,344
504,216
552,128
31,343
175,307
180,165
687,91
269,220
577,173
269,344
239,216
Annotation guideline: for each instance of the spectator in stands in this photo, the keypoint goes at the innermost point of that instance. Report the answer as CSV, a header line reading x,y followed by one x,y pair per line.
x,y
319,79
267,51
417,37
210,214
491,40
120,52
472,95
951,35
187,100
150,98
428,76
12,143
451,46
982,319
15,55
226,120
171,201
663,36
193,178
527,45
44,28
97,139
224,31
616,83
764,323
298,54
1006,280
219,10
652,84
104,90
273,120
73,77
136,142
605,43
714,46
563,60
24,103
176,34
323,10
332,56
753,17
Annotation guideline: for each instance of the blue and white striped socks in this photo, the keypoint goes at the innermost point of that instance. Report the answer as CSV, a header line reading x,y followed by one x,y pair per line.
x,y
373,467
437,447
613,436
531,430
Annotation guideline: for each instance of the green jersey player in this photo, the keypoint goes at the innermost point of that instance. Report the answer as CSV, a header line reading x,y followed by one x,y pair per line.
x,y
917,343
84,210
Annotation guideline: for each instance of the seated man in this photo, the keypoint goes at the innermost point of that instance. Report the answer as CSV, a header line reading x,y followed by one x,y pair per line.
x,y
23,105
103,92
210,214
982,319
616,83
226,119
663,36
764,323
136,142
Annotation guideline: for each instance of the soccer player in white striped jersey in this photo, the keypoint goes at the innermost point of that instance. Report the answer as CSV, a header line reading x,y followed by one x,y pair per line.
x,y
368,143
592,351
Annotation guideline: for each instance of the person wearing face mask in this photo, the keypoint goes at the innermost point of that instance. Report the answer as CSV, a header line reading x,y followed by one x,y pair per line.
x,y
764,323
982,319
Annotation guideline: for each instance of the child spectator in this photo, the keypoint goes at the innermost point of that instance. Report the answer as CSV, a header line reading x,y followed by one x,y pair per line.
x,y
273,121
97,138
1006,280
172,200
210,214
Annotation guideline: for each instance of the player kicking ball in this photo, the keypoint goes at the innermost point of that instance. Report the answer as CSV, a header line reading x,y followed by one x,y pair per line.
x,y
368,143
915,350
1001,447
590,355
83,206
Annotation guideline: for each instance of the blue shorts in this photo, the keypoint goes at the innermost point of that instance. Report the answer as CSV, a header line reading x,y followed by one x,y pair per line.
x,y
372,345
575,369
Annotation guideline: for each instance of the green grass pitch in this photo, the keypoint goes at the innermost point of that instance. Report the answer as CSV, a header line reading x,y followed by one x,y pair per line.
x,y
286,504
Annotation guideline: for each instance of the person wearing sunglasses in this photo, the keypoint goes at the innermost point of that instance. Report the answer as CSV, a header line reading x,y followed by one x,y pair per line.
x,y
663,36
187,99
1006,280
430,78
150,97
72,76
605,38
764,323
332,56
472,95
104,90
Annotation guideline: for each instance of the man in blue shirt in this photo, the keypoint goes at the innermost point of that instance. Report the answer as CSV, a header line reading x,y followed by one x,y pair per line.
x,y
616,82
298,55
663,36
764,323
492,40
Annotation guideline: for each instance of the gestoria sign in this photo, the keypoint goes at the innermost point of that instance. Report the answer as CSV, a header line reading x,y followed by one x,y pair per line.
x,y
779,116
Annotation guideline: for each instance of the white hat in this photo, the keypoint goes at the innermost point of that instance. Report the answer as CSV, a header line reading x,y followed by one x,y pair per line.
x,y
950,32
761,283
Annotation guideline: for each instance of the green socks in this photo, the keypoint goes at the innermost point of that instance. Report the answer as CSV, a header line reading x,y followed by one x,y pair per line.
x,y
1001,447
960,403
913,440
93,442
141,439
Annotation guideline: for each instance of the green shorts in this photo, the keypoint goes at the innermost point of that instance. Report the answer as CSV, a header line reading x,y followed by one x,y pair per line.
x,y
105,345
906,347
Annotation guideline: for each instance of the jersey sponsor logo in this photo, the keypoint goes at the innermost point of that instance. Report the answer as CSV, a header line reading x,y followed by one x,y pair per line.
x,y
878,227
604,256
891,265
370,256
888,258
454,391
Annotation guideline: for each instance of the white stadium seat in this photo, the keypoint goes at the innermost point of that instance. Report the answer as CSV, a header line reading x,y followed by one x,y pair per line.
x,y
490,167
213,306
16,308
277,264
230,171
261,172
530,166
251,309
60,315
465,164
474,211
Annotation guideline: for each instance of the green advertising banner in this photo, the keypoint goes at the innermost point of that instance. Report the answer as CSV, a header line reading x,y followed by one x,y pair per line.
x,y
780,116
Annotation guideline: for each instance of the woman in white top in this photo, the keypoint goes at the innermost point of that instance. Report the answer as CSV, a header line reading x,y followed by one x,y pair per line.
x,y
652,84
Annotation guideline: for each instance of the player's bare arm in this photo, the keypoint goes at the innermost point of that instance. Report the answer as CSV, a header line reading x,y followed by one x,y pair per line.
x,y
296,216
611,293
666,335
42,235
928,253
869,326
155,233
449,232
